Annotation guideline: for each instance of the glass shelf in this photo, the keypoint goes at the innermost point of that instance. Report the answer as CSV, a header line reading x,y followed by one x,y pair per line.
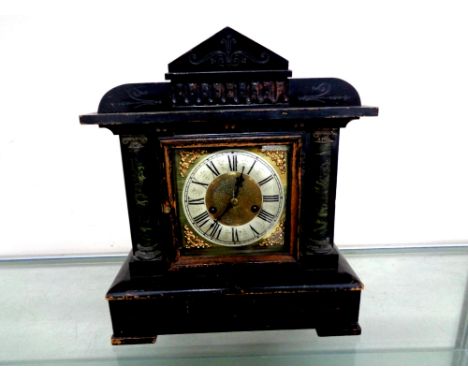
x,y
413,312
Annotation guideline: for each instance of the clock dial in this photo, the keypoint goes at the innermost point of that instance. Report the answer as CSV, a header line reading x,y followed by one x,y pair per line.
x,y
233,198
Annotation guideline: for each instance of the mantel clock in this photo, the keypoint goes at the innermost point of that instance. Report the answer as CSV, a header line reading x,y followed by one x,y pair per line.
x,y
230,173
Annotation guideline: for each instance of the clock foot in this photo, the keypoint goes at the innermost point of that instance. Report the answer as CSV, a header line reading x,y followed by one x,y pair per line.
x,y
327,331
116,340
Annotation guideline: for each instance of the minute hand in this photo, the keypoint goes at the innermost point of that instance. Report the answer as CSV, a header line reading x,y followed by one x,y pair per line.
x,y
239,181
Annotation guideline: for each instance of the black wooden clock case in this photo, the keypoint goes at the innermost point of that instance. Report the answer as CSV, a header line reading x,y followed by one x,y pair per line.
x,y
230,91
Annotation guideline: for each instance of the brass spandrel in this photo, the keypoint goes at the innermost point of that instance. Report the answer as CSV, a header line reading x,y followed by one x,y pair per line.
x,y
278,157
187,158
192,240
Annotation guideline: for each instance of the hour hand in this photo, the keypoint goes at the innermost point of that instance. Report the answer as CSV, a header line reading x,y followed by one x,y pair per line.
x,y
228,207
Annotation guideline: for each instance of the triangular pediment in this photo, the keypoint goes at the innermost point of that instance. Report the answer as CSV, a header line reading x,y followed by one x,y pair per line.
x,y
228,50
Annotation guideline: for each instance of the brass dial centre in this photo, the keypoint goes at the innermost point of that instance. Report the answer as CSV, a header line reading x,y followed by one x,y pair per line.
x,y
233,198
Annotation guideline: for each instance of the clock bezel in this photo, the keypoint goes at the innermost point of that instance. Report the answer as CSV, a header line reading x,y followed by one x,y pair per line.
x,y
238,141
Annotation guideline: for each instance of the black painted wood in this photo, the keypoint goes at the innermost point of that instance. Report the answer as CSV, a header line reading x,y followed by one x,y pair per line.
x,y
235,114
230,87
227,52
235,298
153,97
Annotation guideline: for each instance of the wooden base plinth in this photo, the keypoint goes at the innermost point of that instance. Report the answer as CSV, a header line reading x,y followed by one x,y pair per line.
x,y
258,298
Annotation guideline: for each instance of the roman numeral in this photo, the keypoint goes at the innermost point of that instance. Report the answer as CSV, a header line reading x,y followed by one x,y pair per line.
x,y
201,219
254,230
270,198
264,215
196,201
214,230
232,159
200,183
213,168
265,181
235,235
251,167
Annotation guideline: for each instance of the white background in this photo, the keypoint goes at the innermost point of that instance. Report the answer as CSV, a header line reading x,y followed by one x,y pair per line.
x,y
402,175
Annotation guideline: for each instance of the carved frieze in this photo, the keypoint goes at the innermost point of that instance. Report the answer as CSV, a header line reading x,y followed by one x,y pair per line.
x,y
229,93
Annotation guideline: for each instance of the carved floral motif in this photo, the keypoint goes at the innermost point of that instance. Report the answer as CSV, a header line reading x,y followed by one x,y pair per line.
x,y
324,136
135,142
228,56
318,93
